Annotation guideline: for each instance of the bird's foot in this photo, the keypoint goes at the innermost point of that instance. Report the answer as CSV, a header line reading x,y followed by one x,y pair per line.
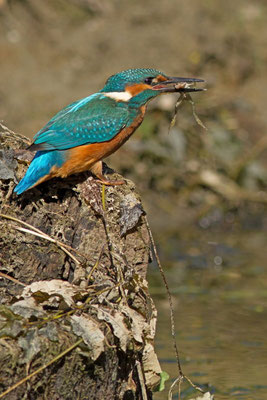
x,y
97,171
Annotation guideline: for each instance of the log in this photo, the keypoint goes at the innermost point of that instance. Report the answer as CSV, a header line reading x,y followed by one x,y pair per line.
x,y
76,317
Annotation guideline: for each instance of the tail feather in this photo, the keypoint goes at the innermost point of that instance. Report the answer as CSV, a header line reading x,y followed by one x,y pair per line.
x,y
39,168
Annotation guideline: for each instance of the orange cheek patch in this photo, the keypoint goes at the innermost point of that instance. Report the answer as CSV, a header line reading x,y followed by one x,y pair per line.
x,y
161,78
137,88
140,87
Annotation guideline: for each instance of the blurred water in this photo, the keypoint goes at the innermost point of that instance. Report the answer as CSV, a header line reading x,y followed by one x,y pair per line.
x,y
219,286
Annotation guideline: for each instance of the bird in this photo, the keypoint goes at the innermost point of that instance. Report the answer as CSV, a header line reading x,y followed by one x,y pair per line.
x,y
83,133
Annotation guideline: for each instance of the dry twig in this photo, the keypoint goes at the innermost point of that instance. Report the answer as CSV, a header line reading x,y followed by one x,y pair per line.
x,y
181,375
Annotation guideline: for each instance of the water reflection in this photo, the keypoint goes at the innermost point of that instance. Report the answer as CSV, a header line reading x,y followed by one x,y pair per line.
x,y
220,311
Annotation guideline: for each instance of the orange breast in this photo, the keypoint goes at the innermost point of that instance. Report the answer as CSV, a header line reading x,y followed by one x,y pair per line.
x,y
84,157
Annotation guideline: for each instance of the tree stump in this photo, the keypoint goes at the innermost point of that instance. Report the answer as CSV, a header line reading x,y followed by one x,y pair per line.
x,y
76,317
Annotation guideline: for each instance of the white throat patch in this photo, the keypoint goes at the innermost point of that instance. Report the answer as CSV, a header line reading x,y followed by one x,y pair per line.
x,y
119,96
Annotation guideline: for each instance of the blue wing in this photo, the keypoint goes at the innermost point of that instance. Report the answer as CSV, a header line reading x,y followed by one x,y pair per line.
x,y
96,118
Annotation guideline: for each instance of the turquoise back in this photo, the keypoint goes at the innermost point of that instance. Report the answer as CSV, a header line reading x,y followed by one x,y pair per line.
x,y
94,119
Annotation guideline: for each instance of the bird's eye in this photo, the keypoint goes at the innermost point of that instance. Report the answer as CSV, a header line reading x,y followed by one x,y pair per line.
x,y
149,80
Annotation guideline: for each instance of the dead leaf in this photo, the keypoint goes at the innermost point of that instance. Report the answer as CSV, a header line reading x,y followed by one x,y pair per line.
x,y
52,292
119,328
151,366
89,330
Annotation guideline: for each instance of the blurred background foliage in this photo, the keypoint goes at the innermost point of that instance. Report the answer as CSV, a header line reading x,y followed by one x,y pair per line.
x,y
204,190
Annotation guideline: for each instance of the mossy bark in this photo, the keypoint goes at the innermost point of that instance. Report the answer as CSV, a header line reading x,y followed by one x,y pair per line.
x,y
82,275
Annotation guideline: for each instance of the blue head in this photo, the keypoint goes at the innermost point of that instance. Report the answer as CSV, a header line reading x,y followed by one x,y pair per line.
x,y
119,82
139,85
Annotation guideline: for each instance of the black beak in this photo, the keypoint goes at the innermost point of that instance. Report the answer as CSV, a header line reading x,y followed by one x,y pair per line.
x,y
175,84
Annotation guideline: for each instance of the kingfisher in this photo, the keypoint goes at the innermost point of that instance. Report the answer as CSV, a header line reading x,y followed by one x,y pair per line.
x,y
83,133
